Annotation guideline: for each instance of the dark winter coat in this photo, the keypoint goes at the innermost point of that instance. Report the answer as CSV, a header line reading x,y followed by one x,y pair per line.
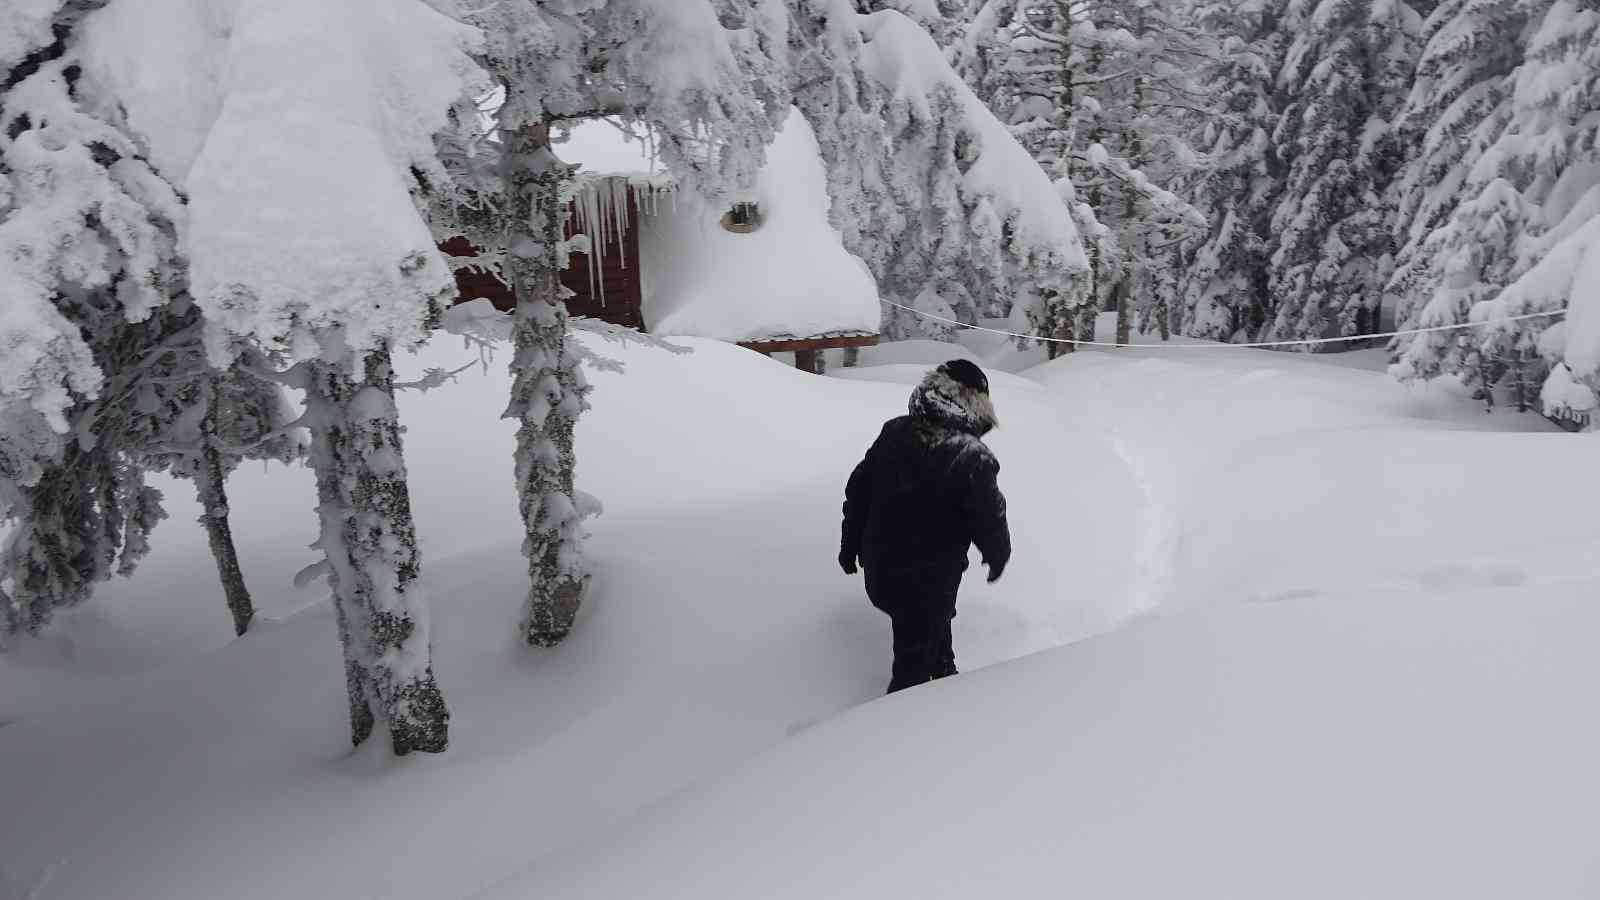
x,y
927,489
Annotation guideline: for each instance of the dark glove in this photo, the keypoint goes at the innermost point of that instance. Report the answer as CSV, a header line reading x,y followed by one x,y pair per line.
x,y
995,571
847,562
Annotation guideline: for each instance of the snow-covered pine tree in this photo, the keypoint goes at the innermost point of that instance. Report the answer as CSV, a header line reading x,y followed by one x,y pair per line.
x,y
1052,58
926,313
202,425
981,52
306,244
927,186
943,20
1550,151
565,61
1094,91
1343,82
1469,261
1225,289
1147,95
88,265
1459,104
87,492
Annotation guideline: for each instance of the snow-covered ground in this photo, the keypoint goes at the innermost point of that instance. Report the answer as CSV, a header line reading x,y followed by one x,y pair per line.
x,y
1307,632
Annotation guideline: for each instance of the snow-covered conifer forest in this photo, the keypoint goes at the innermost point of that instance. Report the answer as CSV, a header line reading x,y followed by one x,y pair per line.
x,y
336,562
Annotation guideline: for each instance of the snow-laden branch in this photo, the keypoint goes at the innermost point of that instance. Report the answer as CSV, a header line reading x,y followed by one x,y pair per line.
x,y
433,378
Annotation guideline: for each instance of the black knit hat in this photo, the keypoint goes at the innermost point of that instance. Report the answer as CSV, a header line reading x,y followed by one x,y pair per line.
x,y
966,374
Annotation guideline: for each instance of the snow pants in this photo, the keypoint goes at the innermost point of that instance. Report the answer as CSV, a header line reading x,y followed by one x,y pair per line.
x,y
920,604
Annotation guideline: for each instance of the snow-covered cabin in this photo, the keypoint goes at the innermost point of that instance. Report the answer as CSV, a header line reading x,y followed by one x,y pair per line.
x,y
767,272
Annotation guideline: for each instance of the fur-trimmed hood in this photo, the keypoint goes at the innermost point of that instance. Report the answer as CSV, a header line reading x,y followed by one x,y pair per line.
x,y
956,395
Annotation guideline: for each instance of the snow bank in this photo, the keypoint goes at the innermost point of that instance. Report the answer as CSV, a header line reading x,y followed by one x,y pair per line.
x,y
788,278
1372,687
1368,692
1412,743
719,622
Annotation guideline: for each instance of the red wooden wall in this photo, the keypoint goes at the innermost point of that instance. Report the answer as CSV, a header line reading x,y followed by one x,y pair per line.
x,y
620,301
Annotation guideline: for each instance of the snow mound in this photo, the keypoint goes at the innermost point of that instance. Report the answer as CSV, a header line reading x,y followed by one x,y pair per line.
x,y
1410,744
1348,687
790,277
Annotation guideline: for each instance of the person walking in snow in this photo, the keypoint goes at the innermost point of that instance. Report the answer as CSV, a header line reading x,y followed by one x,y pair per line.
x,y
925,493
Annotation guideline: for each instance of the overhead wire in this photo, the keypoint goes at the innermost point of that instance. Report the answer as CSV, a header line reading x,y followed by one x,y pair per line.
x,y
1303,342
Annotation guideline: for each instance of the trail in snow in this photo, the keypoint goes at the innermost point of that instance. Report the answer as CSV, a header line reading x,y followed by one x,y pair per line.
x,y
1157,540
1396,654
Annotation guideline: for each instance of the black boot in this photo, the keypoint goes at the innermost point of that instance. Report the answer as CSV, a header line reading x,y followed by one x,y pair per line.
x,y
915,652
944,651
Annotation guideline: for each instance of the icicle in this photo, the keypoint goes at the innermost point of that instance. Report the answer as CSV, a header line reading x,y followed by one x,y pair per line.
x,y
604,206
588,218
597,250
620,189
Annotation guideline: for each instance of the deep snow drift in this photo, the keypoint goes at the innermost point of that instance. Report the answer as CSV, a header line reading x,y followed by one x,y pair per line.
x,y
1409,742
1372,684
1381,698
719,623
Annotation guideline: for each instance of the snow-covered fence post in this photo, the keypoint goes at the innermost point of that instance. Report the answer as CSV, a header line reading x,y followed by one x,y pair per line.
x,y
547,392
370,544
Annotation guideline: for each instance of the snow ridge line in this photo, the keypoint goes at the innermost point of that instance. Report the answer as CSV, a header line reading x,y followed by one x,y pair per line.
x,y
1306,342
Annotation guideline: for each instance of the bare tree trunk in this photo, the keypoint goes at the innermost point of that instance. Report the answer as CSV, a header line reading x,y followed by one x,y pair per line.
x,y
1089,313
547,392
1063,334
209,485
1527,393
1133,247
370,542
1124,294
1166,310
